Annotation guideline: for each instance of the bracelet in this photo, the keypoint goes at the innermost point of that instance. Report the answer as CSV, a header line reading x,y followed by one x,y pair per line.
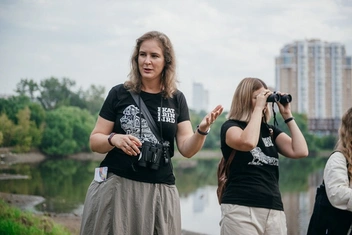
x,y
201,132
289,119
110,137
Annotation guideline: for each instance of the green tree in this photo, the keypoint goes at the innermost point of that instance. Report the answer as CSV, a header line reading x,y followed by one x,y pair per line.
x,y
54,93
67,131
6,129
94,98
26,133
27,87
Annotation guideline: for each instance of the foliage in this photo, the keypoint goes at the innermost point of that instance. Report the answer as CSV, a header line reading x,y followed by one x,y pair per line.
x,y
67,131
26,133
58,120
14,221
6,129
53,93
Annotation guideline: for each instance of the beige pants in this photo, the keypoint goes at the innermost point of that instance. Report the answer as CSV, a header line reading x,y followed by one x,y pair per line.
x,y
244,220
120,206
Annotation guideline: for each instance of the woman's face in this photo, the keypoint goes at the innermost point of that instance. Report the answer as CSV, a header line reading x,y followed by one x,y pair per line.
x,y
151,60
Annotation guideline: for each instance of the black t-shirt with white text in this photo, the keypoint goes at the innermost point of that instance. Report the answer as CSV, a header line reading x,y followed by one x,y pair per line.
x,y
120,108
254,175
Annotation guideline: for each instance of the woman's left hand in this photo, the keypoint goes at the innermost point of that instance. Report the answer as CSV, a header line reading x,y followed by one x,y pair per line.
x,y
210,118
285,109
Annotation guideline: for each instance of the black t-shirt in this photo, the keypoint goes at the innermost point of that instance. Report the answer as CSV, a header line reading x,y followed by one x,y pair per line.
x,y
254,175
121,108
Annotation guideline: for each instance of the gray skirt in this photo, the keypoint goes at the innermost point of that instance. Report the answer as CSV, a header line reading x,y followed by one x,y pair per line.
x,y
119,206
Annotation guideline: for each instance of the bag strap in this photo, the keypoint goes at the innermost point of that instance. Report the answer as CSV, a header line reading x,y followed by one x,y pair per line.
x,y
139,101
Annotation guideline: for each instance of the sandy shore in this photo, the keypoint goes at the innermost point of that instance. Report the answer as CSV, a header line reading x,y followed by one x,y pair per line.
x,y
27,202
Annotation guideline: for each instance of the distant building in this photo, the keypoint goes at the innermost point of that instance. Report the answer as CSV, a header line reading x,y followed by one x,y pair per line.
x,y
318,76
200,97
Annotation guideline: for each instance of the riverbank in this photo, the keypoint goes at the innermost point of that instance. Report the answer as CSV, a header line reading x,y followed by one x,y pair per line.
x,y
27,202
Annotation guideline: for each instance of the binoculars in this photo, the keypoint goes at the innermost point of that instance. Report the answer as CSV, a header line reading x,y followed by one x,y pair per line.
x,y
276,97
152,154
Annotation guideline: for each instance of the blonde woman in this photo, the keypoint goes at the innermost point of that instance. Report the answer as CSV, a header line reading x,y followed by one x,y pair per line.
x,y
332,212
252,203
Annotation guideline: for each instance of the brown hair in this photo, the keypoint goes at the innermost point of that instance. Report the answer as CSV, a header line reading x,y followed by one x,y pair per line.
x,y
242,105
168,77
344,143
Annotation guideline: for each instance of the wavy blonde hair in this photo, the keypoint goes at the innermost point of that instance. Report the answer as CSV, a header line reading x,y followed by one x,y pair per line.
x,y
242,105
168,77
344,142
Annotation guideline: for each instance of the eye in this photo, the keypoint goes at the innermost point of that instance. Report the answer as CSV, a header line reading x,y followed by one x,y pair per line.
x,y
155,55
141,53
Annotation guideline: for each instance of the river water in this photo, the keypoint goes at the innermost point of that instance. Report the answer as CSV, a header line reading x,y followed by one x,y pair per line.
x,y
63,183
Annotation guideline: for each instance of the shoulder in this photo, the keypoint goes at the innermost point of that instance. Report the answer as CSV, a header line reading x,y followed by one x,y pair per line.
x,y
336,159
118,92
230,123
178,94
118,88
179,98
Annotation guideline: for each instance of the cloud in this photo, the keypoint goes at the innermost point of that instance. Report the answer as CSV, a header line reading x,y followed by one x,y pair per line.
x,y
217,42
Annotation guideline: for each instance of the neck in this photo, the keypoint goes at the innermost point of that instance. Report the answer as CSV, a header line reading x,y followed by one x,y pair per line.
x,y
150,88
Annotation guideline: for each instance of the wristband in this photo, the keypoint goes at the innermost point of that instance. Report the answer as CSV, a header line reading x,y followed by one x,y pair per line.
x,y
289,119
201,132
110,137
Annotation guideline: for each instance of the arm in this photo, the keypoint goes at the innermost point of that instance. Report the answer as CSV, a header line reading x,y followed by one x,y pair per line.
x,y
189,142
99,139
336,182
247,139
296,145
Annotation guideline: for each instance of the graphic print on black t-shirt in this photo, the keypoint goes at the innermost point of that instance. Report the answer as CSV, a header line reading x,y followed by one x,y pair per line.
x,y
260,158
166,115
130,123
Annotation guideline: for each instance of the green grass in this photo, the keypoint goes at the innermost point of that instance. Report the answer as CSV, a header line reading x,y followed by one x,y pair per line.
x,y
13,221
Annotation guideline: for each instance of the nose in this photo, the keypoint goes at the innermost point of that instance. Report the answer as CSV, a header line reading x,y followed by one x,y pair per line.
x,y
147,60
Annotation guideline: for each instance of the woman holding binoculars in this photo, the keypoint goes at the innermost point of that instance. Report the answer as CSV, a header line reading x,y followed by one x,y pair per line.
x,y
139,195
251,203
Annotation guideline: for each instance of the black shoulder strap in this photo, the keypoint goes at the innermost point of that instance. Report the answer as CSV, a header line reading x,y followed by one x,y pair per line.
x,y
143,108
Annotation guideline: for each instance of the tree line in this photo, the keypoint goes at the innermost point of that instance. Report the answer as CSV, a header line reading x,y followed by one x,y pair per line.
x,y
53,118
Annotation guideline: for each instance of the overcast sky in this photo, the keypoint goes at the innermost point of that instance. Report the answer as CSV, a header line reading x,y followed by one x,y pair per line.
x,y
217,42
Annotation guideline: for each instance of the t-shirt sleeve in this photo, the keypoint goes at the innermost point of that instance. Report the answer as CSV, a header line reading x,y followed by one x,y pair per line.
x,y
276,131
183,107
107,111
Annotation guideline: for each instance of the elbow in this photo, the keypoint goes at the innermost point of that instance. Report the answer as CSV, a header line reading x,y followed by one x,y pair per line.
x,y
247,146
187,155
303,154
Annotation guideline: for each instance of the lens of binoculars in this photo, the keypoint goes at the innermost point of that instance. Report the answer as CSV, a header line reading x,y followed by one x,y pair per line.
x,y
283,99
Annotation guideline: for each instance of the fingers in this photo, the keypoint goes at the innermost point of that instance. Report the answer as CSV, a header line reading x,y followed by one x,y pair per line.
x,y
213,115
130,145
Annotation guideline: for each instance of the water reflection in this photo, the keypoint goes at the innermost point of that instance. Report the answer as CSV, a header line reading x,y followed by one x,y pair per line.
x,y
63,183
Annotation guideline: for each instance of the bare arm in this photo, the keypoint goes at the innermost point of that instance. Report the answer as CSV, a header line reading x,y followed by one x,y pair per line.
x,y
247,139
189,142
296,145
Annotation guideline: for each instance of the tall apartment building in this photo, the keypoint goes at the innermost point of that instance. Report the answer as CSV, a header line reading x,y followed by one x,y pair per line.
x,y
318,76
200,97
